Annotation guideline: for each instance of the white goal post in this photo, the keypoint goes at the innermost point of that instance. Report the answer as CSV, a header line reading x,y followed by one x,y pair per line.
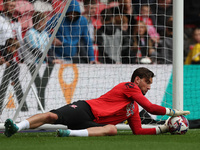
x,y
178,32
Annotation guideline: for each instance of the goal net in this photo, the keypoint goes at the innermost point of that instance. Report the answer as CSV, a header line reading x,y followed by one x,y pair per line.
x,y
54,52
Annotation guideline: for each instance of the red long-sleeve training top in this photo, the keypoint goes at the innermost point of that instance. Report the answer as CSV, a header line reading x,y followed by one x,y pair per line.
x,y
121,103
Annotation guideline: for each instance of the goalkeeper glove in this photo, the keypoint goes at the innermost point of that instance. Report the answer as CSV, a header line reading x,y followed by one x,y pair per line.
x,y
163,128
174,112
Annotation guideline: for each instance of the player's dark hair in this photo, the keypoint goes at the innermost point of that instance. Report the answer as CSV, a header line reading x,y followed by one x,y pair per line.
x,y
142,72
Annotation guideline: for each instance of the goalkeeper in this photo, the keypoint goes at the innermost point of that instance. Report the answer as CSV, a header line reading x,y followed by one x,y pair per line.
x,y
98,117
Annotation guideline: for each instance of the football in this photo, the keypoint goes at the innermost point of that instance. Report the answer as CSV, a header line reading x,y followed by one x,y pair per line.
x,y
178,125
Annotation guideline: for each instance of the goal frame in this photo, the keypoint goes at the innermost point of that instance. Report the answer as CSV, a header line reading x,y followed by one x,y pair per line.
x,y
42,59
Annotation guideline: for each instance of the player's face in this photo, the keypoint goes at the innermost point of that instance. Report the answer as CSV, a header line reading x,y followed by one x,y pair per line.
x,y
144,84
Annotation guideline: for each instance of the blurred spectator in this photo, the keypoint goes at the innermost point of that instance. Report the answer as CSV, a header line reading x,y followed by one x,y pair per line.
x,y
90,7
36,40
193,56
110,39
165,48
126,8
191,21
11,71
73,27
138,3
96,18
9,25
162,11
8,56
143,46
145,16
121,22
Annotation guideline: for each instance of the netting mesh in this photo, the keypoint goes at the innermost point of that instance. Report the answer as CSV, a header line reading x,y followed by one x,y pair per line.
x,y
25,36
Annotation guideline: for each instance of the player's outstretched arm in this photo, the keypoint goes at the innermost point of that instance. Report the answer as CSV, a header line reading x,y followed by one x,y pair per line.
x,y
174,112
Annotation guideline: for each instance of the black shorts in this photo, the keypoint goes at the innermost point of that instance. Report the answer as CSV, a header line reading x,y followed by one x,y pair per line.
x,y
77,115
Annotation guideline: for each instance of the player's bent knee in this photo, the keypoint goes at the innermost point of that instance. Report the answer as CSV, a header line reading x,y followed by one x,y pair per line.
x,y
112,130
50,117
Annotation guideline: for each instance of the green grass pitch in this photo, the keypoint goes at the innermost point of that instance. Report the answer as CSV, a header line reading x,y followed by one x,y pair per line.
x,y
125,140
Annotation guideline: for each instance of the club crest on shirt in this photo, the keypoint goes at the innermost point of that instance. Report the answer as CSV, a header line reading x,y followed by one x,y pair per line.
x,y
130,109
73,106
129,85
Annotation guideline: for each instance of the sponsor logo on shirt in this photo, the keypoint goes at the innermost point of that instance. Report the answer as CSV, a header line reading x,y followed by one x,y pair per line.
x,y
130,109
73,106
129,85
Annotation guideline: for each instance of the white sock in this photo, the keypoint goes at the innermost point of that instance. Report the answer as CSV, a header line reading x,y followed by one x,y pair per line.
x,y
83,132
23,125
